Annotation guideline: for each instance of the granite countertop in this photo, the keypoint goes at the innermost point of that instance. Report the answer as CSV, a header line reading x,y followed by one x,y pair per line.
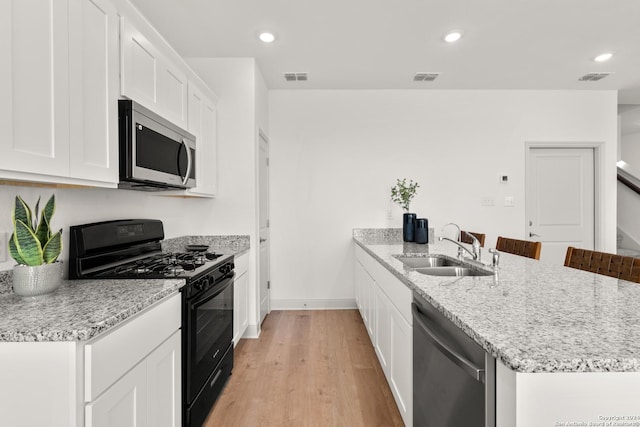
x,y
532,316
81,309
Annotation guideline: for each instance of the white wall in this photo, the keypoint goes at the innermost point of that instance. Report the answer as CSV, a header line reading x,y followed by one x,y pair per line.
x,y
630,149
628,201
336,154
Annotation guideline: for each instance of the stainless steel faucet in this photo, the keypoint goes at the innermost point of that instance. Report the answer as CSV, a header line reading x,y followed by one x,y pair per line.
x,y
475,245
456,226
461,248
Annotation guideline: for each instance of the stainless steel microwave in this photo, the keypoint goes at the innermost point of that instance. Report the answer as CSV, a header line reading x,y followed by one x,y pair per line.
x,y
154,153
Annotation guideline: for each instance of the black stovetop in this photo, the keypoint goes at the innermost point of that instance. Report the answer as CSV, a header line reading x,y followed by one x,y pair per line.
x,y
131,249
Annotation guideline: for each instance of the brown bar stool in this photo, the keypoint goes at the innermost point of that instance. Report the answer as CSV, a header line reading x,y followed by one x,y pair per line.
x,y
464,238
524,248
612,265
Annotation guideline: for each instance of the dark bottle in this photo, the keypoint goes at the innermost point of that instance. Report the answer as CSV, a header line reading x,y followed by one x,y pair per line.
x,y
408,226
421,232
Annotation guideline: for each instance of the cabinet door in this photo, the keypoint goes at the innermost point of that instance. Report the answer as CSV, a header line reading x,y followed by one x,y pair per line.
x,y
241,307
202,115
382,342
361,291
94,89
369,304
124,404
150,79
34,87
172,93
400,375
163,384
139,64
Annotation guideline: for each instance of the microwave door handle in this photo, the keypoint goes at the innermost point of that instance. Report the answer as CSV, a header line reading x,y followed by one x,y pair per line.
x,y
189,162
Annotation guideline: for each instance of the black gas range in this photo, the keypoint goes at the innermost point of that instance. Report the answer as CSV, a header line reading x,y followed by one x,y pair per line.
x,y
131,249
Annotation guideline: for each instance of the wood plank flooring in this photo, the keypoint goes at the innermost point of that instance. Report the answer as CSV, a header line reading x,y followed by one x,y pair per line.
x,y
308,368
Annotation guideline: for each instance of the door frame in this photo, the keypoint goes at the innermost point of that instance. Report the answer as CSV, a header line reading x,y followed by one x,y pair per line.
x,y
598,184
260,134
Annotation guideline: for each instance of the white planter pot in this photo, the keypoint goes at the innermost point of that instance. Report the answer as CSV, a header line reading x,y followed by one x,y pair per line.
x,y
34,281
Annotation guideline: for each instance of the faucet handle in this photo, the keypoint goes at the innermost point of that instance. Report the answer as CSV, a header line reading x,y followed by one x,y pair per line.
x,y
496,257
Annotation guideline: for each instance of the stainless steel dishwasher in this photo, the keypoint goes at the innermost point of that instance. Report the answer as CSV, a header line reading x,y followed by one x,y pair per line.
x,y
453,377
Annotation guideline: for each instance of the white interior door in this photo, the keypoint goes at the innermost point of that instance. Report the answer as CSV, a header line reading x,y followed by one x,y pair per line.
x,y
560,200
263,198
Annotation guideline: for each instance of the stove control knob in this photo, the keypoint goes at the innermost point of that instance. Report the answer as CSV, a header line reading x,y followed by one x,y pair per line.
x,y
200,284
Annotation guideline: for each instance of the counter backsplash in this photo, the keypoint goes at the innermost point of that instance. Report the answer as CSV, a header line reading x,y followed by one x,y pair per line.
x,y
215,243
6,282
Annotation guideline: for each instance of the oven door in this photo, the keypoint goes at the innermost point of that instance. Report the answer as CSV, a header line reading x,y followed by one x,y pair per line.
x,y
208,334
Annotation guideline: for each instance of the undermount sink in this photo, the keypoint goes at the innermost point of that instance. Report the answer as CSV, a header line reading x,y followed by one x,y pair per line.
x,y
427,261
453,271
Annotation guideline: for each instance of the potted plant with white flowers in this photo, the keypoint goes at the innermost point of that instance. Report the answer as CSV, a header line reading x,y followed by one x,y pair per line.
x,y
36,249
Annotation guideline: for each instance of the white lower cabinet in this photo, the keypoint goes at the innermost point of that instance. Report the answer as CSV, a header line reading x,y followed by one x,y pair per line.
x,y
240,298
133,374
124,404
147,395
164,384
127,376
385,306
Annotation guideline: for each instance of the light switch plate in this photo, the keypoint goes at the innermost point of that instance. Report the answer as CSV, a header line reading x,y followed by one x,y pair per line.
x,y
509,201
487,201
3,246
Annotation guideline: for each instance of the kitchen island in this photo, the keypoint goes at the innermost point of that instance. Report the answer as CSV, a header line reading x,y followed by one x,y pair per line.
x,y
566,342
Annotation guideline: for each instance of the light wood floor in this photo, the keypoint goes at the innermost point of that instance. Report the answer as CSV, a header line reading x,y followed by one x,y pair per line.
x,y
309,368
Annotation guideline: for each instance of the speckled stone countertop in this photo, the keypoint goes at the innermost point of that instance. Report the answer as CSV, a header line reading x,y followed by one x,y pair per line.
x,y
82,309
532,316
79,309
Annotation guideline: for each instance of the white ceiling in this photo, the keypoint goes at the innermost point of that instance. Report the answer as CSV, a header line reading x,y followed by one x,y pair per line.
x,y
381,44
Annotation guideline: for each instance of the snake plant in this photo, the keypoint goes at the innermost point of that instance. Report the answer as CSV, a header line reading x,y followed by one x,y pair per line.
x,y
32,242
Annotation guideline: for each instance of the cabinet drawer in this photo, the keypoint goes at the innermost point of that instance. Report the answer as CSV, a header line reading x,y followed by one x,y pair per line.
x,y
110,356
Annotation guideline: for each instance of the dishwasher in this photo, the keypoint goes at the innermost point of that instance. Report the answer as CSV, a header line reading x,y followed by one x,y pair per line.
x,y
453,377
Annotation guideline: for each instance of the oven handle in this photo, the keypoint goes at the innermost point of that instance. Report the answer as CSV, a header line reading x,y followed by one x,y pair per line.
x,y
193,301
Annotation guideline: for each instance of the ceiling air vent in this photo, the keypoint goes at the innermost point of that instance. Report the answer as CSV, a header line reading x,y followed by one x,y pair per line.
x,y
593,77
296,77
425,77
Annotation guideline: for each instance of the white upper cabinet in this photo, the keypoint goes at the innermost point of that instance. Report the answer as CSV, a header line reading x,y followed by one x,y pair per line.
x,y
149,78
94,81
58,91
203,124
34,87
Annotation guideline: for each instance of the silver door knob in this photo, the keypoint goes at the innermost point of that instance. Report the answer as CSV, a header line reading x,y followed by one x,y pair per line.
x,y
533,235
262,240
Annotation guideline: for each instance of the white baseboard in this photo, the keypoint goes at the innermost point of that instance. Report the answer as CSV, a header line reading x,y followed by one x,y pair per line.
x,y
251,332
313,304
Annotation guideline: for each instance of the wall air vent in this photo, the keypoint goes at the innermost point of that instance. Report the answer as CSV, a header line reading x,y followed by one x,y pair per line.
x,y
425,77
593,77
296,77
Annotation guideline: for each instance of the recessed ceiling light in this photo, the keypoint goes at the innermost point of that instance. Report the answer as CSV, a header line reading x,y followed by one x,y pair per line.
x,y
267,37
453,36
603,57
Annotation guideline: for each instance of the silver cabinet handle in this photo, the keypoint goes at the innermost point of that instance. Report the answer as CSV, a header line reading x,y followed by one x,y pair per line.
x,y
262,240
533,235
477,373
